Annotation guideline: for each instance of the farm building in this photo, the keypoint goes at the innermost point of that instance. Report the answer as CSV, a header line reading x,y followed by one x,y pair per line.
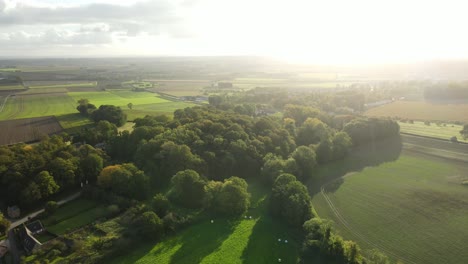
x,y
27,234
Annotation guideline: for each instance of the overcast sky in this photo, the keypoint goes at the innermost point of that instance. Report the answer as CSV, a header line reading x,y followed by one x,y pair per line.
x,y
327,31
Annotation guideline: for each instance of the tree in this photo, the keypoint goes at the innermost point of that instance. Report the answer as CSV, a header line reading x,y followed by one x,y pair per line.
x,y
130,106
84,107
91,166
188,189
30,194
160,204
312,131
341,145
150,225
51,207
305,159
124,179
229,197
111,113
290,200
464,132
46,184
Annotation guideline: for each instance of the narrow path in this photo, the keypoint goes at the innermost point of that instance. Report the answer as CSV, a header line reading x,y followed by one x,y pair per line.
x,y
31,215
4,103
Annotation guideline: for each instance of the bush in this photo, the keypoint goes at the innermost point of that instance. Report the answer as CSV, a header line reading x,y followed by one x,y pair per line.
x,y
465,183
113,209
160,204
51,207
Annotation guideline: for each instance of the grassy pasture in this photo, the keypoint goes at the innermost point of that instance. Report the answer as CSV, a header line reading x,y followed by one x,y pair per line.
x,y
442,132
226,240
419,110
414,208
73,215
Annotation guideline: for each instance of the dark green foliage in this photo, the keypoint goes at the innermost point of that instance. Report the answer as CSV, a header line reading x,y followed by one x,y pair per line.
x,y
320,239
464,132
51,207
369,130
84,107
229,197
4,224
91,166
290,200
188,189
110,113
312,131
305,159
149,225
160,204
124,179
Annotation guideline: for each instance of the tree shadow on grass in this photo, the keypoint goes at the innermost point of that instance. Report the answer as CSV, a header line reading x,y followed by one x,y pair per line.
x,y
202,240
264,247
359,158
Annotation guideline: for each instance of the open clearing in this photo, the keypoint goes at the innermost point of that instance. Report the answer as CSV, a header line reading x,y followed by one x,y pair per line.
x,y
418,110
27,130
414,208
434,130
225,241
73,215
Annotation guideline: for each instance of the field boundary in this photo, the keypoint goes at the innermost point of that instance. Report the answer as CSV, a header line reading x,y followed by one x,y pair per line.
x,y
4,103
435,138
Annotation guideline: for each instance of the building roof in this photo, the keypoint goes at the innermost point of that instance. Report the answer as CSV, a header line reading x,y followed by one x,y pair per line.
x,y
35,227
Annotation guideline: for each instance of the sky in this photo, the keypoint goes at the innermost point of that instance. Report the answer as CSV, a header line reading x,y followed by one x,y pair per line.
x,y
309,31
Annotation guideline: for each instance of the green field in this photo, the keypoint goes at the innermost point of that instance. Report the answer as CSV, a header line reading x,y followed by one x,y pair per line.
x,y
73,215
226,240
11,87
415,209
63,105
442,132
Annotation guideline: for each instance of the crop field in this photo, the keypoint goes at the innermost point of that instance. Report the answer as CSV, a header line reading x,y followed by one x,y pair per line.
x,y
232,241
437,131
414,208
419,110
11,87
27,130
26,106
63,105
73,215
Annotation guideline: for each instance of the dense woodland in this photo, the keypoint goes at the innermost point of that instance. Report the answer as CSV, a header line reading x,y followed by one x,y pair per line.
x,y
204,156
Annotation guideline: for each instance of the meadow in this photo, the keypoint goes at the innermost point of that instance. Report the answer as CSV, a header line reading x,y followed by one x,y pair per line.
x,y
433,130
238,240
414,208
420,110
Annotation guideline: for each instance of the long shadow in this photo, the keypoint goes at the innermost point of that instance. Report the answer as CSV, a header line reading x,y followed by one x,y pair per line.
x,y
363,156
202,240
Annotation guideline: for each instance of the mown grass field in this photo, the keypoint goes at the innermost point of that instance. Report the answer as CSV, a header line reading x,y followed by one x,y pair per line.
x,y
225,241
73,215
420,110
434,130
415,209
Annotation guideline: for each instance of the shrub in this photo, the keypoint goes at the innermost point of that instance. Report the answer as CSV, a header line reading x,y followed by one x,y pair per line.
x,y
51,207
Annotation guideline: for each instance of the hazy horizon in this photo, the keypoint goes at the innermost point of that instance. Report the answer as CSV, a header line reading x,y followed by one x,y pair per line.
x,y
311,32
